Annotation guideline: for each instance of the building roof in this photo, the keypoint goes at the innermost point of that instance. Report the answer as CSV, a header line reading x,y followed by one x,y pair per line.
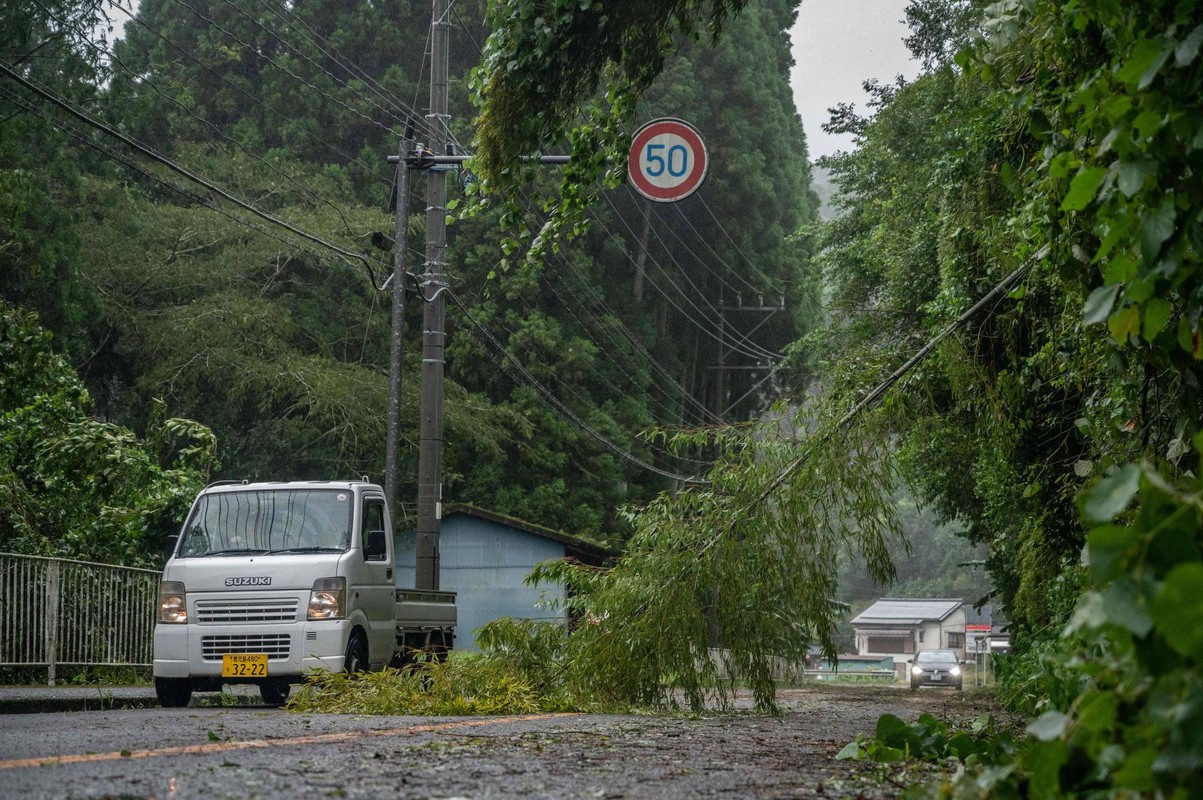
x,y
900,611
574,546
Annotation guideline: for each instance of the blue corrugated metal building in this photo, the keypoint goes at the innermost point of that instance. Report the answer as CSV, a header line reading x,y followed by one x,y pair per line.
x,y
485,557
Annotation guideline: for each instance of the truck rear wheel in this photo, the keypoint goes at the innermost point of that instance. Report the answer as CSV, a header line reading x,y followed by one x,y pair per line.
x,y
356,659
173,692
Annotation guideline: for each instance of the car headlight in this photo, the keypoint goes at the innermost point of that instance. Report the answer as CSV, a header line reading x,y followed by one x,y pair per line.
x,y
327,599
916,670
955,670
173,603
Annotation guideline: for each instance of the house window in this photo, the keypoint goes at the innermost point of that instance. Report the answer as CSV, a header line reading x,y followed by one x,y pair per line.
x,y
920,636
956,640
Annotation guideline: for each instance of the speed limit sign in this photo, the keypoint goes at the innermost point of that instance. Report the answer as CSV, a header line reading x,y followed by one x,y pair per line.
x,y
667,161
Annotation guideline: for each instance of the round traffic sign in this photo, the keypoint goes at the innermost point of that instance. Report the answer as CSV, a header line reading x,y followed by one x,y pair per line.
x,y
667,161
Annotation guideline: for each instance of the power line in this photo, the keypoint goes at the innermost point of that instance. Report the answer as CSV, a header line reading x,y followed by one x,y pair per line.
x,y
177,168
656,366
324,46
700,325
199,199
286,70
718,223
563,409
756,352
350,159
570,389
818,302
198,118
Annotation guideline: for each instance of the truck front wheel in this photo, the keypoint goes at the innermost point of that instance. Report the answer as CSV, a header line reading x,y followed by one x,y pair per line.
x,y
173,692
356,659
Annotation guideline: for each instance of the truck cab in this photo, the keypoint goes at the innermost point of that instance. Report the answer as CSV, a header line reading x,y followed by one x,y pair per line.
x,y
268,581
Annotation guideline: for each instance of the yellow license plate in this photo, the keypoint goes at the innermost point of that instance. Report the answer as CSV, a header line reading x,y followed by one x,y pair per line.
x,y
244,665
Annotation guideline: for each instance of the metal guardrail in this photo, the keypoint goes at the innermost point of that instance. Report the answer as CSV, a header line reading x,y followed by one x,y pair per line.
x,y
55,612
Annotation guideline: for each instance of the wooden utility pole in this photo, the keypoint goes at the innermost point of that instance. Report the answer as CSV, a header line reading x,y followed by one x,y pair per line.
x,y
396,350
436,159
433,285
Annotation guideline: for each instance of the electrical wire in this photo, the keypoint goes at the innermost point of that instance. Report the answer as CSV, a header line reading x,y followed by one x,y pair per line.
x,y
704,410
700,325
178,168
286,70
571,390
347,157
78,135
718,223
760,352
327,48
117,59
629,337
558,405
757,352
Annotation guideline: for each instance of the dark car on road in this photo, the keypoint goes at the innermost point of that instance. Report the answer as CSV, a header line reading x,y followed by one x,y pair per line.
x,y
935,668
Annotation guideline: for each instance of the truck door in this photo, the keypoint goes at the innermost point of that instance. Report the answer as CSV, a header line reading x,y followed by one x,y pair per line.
x,y
376,595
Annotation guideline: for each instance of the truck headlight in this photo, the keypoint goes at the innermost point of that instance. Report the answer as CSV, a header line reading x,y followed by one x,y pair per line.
x,y
173,603
328,599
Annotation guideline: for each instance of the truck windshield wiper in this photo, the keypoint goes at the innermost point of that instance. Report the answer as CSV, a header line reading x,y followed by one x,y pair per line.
x,y
303,550
236,551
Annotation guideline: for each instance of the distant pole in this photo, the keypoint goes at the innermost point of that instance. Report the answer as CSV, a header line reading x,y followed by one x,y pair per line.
x,y
430,453
396,351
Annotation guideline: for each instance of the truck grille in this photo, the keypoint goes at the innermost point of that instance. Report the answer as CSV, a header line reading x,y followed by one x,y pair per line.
x,y
276,645
279,609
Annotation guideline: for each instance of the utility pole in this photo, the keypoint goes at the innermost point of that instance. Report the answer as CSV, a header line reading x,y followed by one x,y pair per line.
x,y
436,160
430,454
721,367
396,351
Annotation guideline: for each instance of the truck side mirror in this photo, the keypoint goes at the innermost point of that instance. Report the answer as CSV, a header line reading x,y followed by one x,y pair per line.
x,y
169,546
374,547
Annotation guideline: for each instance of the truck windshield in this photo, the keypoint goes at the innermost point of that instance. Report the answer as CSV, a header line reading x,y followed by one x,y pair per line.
x,y
266,522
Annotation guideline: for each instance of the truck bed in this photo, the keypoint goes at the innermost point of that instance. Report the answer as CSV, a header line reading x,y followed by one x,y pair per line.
x,y
424,609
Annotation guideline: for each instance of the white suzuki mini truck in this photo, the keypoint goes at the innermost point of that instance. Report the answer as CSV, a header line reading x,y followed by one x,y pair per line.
x,y
269,581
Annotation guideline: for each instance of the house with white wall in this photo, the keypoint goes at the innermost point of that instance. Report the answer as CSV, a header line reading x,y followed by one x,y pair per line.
x,y
900,627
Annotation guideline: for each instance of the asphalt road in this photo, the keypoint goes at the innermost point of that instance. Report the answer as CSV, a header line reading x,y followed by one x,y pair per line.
x,y
259,752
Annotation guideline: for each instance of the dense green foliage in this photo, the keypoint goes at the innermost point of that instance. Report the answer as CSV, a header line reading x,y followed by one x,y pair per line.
x,y
1072,126
465,683
74,486
157,288
1011,418
542,61
1118,699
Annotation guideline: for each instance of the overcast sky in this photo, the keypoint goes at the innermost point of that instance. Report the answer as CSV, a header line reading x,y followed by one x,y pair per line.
x,y
837,44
